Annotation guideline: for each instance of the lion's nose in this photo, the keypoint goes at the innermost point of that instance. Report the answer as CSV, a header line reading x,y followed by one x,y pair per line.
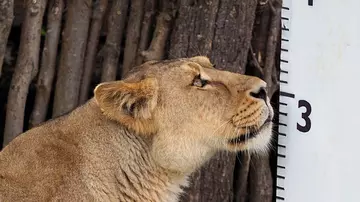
x,y
259,92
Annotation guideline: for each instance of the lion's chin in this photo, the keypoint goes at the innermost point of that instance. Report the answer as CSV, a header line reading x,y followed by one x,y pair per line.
x,y
257,141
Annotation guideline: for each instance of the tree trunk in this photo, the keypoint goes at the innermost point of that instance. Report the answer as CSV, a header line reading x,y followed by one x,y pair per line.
x,y
72,56
48,63
26,65
194,28
6,18
149,11
260,179
270,72
220,29
132,35
265,44
241,176
111,49
91,50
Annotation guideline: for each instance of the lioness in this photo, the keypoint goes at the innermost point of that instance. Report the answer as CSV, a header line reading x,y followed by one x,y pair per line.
x,y
139,138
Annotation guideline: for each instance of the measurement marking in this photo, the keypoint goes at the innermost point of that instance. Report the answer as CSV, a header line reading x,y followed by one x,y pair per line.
x,y
284,28
283,103
283,39
281,81
282,146
281,188
282,167
282,134
280,198
290,95
284,18
280,177
310,2
283,71
283,113
284,61
285,50
285,8
282,124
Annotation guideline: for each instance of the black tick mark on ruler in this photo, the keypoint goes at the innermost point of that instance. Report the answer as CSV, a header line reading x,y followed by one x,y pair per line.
x,y
281,167
290,95
310,2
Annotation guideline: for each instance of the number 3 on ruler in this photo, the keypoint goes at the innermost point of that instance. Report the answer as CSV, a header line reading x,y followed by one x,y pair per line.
x,y
305,115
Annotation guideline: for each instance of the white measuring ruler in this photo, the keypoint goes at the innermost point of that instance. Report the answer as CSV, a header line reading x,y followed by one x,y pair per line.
x,y
319,140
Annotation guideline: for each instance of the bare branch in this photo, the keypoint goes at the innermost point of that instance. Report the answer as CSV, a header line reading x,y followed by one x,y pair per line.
x,y
6,19
26,64
72,56
157,46
133,35
149,12
48,63
95,29
255,61
111,49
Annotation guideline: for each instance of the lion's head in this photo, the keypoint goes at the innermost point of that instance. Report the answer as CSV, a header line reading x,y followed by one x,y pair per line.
x,y
190,110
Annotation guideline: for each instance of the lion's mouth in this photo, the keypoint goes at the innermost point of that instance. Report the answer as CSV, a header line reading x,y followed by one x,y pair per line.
x,y
253,132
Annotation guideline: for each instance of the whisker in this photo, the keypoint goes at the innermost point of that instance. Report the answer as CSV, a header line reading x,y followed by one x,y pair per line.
x,y
276,132
220,127
246,134
275,124
217,129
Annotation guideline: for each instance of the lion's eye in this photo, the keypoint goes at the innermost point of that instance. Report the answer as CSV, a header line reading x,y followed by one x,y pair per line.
x,y
198,82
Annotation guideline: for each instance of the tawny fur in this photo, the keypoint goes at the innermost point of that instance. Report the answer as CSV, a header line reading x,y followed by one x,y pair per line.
x,y
138,139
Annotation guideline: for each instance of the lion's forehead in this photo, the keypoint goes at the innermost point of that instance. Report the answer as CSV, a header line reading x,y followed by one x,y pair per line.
x,y
151,67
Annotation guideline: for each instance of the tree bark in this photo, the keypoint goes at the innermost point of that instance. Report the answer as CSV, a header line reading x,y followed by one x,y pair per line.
x,y
6,19
241,176
111,49
48,63
91,50
26,64
194,28
220,29
265,44
233,34
72,56
133,35
270,72
149,11
260,179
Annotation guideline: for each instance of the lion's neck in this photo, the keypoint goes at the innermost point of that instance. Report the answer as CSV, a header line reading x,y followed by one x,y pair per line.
x,y
133,175
145,179
149,185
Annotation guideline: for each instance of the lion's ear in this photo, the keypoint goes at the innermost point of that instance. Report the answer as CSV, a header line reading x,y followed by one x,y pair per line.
x,y
131,104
